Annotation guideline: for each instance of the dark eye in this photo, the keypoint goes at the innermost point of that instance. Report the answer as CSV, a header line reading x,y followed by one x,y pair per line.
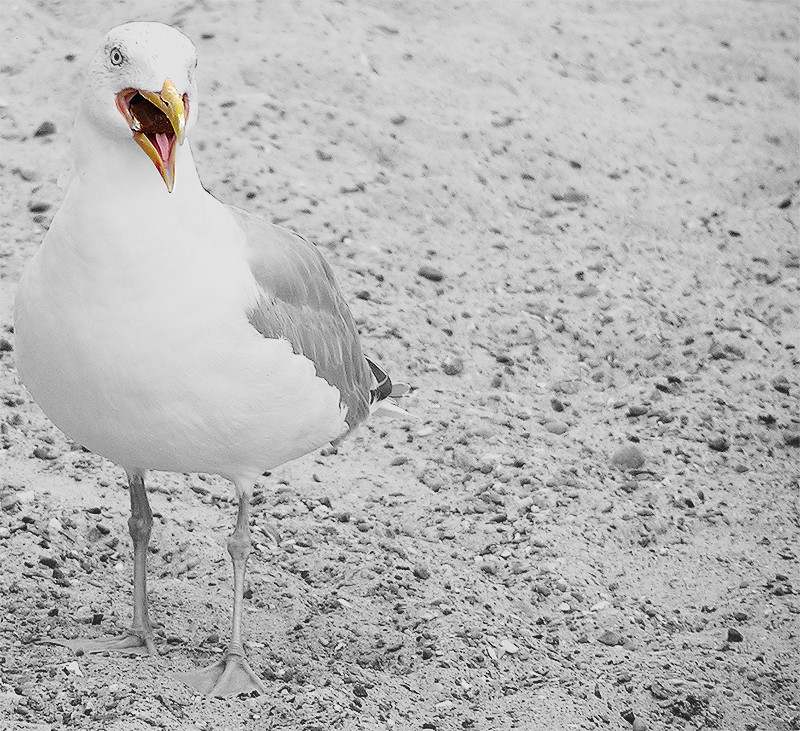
x,y
117,59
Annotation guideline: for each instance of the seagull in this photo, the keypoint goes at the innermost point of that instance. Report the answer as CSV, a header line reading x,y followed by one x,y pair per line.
x,y
165,330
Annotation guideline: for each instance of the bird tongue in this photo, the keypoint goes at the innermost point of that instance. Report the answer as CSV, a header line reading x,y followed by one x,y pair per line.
x,y
163,143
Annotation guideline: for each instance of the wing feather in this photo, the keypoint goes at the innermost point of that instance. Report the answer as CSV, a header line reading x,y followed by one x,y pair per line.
x,y
300,301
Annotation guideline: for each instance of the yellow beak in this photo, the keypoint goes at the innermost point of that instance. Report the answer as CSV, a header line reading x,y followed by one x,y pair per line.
x,y
153,133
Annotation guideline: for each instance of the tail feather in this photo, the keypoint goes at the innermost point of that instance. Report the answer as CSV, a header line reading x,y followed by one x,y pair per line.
x,y
383,393
383,388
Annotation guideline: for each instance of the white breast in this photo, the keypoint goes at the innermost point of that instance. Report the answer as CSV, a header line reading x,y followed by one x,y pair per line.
x,y
134,340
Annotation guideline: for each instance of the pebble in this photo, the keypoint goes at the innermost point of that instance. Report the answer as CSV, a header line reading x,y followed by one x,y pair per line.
x,y
431,273
781,384
453,366
611,638
628,457
9,502
792,439
570,196
422,572
359,690
719,444
43,453
734,635
509,647
38,206
45,129
639,725
637,411
72,668
5,346
556,426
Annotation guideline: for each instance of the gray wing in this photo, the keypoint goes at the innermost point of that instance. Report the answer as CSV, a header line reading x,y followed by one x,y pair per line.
x,y
300,301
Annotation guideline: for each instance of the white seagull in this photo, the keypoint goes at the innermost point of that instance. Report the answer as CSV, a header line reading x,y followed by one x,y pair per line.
x,y
165,330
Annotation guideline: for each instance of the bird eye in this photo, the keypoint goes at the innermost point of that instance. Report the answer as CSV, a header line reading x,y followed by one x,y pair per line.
x,y
116,56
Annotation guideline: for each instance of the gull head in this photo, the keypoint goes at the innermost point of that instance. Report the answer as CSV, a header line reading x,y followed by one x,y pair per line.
x,y
141,88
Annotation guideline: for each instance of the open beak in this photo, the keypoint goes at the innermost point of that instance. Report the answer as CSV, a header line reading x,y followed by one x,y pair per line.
x,y
158,121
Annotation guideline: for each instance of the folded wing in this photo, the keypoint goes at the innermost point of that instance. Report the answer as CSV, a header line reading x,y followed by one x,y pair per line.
x,y
300,301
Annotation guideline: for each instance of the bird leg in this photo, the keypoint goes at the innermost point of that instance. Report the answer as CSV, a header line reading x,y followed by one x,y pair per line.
x,y
232,674
139,639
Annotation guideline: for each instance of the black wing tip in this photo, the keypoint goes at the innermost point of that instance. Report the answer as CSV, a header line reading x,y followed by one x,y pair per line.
x,y
384,388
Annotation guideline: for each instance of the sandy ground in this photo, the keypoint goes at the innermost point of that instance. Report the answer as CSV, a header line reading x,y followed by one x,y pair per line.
x,y
609,192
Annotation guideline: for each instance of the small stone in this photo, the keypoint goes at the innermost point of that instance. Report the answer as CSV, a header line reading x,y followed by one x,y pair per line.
x,y
97,618
660,690
72,668
628,715
359,690
431,273
792,439
10,503
43,453
45,129
556,426
611,638
353,186
422,572
453,366
570,196
5,346
556,404
734,635
637,411
639,725
38,206
720,351
781,384
397,461
26,173
628,457
719,444
509,647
